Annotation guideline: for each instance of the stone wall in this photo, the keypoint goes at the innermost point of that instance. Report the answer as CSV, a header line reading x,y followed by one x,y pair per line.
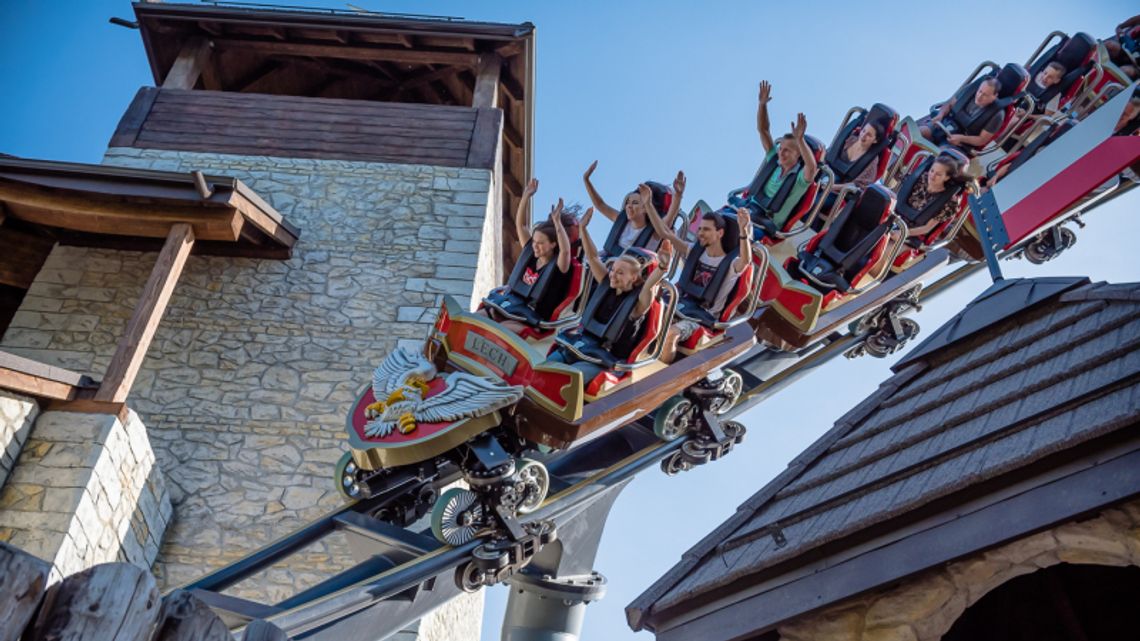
x,y
17,413
85,490
250,375
924,607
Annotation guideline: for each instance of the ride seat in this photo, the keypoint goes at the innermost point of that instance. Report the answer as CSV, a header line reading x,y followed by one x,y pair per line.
x,y
762,208
846,171
1014,79
1078,54
839,256
917,217
519,300
662,199
695,297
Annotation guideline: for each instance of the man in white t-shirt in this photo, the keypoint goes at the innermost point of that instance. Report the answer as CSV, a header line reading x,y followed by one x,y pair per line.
x,y
710,241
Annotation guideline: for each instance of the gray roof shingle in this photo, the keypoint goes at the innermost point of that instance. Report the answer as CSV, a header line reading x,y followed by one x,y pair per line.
x,y
1029,369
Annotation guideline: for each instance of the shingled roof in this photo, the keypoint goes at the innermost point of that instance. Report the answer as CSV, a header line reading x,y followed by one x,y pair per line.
x,y
1032,376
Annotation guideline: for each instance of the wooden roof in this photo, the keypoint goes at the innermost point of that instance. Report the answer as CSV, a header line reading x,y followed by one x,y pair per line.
x,y
1020,414
355,55
104,206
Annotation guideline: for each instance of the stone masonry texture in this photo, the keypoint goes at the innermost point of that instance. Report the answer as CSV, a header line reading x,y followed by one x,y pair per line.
x,y
17,413
253,368
923,607
85,490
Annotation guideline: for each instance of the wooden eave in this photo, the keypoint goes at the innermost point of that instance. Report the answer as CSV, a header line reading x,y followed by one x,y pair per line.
x,y
103,206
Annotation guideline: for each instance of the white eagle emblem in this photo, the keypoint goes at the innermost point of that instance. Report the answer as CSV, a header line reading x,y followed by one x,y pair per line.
x,y
402,380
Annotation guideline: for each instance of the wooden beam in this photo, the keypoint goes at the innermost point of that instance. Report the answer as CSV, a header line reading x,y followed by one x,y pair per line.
x,y
511,134
427,76
510,49
188,65
186,617
148,312
487,81
512,184
132,121
259,77
112,601
388,54
485,139
512,86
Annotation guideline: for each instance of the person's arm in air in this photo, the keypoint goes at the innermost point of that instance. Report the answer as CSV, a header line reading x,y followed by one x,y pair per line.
x,y
663,232
563,238
597,267
799,128
744,220
522,221
1126,26
763,124
649,289
595,197
675,206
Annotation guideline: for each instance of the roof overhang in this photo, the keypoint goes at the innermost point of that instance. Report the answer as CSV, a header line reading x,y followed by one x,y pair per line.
x,y
105,206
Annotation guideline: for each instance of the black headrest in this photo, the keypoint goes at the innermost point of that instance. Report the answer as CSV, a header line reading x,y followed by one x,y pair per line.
x,y
1075,51
731,239
817,148
1013,78
883,115
874,204
662,196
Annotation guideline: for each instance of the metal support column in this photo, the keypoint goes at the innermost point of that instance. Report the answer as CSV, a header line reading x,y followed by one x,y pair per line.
x,y
991,230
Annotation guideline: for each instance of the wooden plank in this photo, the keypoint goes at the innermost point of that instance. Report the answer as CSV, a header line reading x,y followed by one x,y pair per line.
x,y
458,88
486,138
185,618
24,582
18,363
333,106
187,67
148,312
511,134
79,212
512,86
405,56
35,386
378,156
260,630
207,117
487,81
91,406
132,120
260,145
109,602
235,129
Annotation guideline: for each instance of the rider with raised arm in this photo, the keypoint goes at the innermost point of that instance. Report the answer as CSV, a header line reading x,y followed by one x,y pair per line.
x,y
633,206
550,250
788,151
620,278
709,252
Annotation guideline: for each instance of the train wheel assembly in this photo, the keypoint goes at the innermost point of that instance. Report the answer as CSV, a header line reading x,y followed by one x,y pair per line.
x,y
672,419
456,517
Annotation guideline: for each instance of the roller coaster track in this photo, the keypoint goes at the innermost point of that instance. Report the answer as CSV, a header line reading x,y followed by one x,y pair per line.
x,y
403,573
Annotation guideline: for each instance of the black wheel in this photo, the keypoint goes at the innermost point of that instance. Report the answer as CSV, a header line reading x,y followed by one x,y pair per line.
x,y
732,387
672,419
879,346
536,482
694,454
910,329
490,557
674,464
468,577
734,431
1068,239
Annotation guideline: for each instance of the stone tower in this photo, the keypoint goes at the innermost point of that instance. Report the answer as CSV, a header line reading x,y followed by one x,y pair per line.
x,y
313,182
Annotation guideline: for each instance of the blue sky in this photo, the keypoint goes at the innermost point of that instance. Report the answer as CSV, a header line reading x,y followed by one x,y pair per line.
x,y
646,88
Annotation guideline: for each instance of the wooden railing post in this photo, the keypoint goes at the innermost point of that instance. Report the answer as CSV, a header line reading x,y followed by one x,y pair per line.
x,y
487,81
148,312
189,65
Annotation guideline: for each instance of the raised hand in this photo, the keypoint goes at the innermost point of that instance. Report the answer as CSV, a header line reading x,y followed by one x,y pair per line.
x,y
530,189
585,219
679,184
555,210
765,92
799,127
665,254
590,170
744,220
645,192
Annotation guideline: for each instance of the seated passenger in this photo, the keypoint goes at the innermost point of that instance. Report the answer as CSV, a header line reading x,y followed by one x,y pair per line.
x,y
1049,77
972,125
771,203
630,227
929,198
542,276
858,145
614,326
712,266
1122,47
